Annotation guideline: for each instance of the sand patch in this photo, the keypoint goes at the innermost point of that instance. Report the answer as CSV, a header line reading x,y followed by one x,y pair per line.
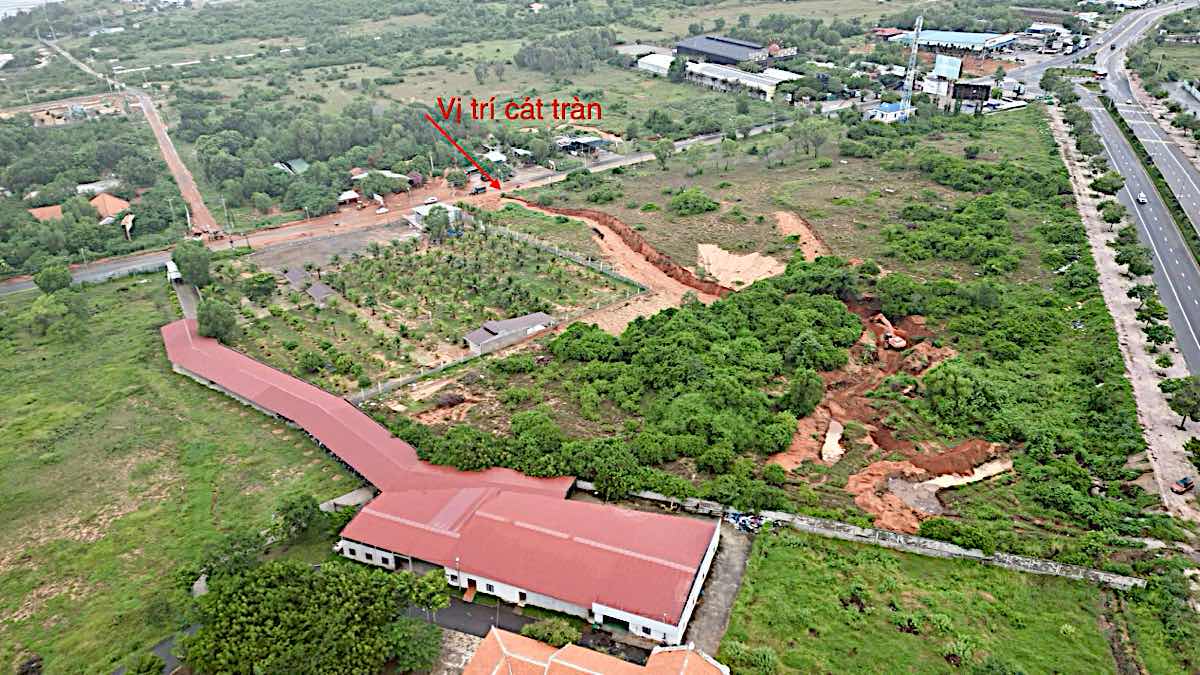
x,y
792,225
734,270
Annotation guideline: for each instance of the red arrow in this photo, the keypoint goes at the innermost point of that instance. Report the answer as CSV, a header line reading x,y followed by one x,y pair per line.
x,y
491,181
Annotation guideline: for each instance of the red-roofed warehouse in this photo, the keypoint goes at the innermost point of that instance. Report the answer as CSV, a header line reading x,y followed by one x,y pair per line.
x,y
496,531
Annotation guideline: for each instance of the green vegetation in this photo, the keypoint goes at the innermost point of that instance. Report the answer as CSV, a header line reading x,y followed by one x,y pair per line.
x,y
356,611
397,308
51,162
128,472
554,632
811,604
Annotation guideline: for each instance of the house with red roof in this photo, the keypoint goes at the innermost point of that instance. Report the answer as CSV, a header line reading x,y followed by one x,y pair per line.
x,y
505,652
495,531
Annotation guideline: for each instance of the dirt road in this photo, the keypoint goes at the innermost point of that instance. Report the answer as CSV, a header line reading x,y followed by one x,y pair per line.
x,y
202,219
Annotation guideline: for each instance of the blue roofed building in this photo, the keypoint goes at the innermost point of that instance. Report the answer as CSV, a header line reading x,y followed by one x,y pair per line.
x,y
960,42
888,113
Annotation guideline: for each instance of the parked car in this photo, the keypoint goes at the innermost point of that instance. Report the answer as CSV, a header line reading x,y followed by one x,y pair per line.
x,y
1128,101
381,210
1141,198
1183,485
431,200
479,189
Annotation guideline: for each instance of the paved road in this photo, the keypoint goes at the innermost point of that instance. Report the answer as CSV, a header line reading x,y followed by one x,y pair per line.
x,y
1129,24
1175,272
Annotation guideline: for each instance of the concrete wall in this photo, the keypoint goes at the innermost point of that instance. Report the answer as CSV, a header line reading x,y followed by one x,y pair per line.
x,y
370,555
940,549
512,594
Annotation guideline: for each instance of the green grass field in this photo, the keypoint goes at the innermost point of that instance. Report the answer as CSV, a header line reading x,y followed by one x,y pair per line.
x,y
117,470
828,606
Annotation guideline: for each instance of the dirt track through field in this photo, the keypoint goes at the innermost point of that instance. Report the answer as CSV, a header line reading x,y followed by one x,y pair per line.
x,y
664,291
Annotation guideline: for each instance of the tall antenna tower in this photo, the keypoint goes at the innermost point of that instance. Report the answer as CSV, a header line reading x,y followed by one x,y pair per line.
x,y
910,76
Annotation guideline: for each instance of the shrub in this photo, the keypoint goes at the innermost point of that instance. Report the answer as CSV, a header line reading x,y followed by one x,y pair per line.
x,y
1108,183
216,319
716,460
774,474
804,393
691,202
554,632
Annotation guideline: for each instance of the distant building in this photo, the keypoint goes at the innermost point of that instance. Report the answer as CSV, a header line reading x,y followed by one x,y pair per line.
x,y
419,213
505,652
958,41
946,71
108,206
348,196
726,78
730,51
658,64
577,145
47,213
293,167
495,335
887,113
496,157
359,174
885,33
97,187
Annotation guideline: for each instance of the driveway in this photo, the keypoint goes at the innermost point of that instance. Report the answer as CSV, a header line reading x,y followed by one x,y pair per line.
x,y
711,616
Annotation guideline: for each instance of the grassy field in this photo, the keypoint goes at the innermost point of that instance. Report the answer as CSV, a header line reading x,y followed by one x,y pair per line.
x,y
574,235
822,605
1183,59
848,202
126,469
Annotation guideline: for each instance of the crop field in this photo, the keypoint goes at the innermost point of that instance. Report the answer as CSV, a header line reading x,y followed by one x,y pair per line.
x,y
127,470
400,308
812,604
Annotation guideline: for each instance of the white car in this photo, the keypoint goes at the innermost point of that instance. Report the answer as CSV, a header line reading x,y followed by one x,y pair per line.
x,y
1141,198
381,210
431,200
1128,101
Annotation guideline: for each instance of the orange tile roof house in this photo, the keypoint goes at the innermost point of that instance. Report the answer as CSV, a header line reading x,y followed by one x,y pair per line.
x,y
47,213
510,653
107,205
495,531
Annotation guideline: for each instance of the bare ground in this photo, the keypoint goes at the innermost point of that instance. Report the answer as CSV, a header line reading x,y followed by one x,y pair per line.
x,y
736,270
664,291
790,224
1165,452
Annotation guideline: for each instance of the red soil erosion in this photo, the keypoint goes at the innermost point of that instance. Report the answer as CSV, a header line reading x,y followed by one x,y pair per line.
x,y
639,244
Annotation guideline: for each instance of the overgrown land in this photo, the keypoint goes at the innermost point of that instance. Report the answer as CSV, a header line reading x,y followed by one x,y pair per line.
x,y
128,473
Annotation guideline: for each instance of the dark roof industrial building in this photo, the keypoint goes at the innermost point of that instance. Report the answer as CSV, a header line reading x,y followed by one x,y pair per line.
x,y
729,51
496,531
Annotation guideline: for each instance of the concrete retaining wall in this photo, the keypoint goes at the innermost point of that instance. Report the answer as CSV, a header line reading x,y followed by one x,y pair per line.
x,y
903,542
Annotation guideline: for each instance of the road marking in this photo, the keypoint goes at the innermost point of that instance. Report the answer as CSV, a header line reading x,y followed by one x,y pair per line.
x,y
1170,283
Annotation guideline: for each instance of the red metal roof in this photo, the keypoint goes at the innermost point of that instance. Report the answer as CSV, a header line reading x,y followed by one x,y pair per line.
x,y
386,462
497,523
639,562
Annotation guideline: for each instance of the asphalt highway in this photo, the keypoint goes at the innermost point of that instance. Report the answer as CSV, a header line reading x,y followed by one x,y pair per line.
x,y
1176,273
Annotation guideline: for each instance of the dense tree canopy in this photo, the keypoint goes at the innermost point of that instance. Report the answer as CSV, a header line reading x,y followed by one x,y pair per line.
x,y
286,616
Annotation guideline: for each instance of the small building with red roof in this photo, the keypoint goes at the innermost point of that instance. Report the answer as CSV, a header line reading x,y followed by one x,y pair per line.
x,y
505,652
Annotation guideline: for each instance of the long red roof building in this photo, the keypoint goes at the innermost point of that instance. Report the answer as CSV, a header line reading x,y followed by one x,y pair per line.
x,y
495,531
